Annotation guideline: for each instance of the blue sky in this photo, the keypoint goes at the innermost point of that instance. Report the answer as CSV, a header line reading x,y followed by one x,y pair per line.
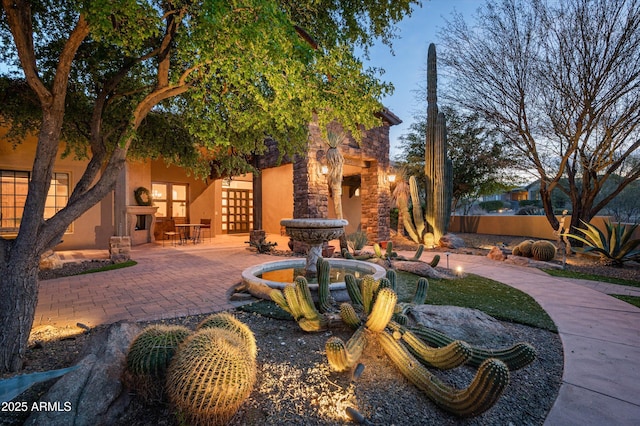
x,y
407,69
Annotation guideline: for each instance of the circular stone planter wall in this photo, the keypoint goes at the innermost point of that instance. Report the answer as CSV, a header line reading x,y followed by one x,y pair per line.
x,y
259,287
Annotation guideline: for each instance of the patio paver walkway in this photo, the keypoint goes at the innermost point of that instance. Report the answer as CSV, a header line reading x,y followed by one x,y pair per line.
x,y
600,334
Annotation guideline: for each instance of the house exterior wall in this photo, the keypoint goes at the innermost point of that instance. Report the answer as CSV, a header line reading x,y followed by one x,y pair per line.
x,y
277,199
94,228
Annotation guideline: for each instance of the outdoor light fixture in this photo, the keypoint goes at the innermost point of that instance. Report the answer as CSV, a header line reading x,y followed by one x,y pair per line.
x,y
459,271
447,254
392,178
322,167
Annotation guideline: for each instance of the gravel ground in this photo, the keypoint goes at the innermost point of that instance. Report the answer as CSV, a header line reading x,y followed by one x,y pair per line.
x,y
296,387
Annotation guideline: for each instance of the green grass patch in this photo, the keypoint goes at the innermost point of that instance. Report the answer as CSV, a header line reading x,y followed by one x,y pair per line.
x,y
634,300
110,267
472,291
591,277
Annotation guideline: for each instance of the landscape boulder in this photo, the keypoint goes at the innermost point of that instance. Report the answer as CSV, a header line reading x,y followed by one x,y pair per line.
x,y
93,394
497,253
470,325
451,241
419,268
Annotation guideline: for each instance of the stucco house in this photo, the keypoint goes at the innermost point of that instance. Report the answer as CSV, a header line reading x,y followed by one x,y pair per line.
x,y
294,188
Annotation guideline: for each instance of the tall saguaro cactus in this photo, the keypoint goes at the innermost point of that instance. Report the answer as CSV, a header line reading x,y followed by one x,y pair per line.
x,y
437,167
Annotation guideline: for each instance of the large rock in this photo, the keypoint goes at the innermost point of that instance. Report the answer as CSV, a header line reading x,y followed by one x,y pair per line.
x,y
497,253
451,241
471,325
92,394
419,268
50,260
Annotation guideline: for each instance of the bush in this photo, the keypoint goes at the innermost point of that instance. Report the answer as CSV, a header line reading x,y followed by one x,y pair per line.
x,y
492,206
525,203
528,210
357,240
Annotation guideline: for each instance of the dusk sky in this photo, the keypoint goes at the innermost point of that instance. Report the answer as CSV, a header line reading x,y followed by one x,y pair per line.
x,y
407,69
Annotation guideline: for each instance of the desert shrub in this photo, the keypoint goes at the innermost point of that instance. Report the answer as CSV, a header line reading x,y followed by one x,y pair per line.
x,y
357,240
492,206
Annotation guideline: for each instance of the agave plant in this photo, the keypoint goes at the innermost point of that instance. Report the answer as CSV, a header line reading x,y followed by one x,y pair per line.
x,y
614,248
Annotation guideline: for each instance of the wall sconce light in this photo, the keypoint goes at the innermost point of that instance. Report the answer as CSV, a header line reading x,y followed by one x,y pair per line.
x,y
357,192
322,167
392,178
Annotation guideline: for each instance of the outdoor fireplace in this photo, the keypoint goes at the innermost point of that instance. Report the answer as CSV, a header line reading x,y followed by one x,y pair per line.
x,y
141,221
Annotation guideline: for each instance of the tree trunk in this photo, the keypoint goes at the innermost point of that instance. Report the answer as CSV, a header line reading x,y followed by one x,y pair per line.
x,y
19,289
545,196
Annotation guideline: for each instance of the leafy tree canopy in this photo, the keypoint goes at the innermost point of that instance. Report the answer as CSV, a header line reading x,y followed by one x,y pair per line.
x,y
188,80
174,77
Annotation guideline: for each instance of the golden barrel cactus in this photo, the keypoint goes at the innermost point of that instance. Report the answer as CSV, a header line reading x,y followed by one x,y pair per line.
x,y
211,376
149,356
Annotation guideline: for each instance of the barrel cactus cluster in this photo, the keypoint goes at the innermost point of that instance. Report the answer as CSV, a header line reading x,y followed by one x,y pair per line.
x,y
206,374
149,356
376,316
539,250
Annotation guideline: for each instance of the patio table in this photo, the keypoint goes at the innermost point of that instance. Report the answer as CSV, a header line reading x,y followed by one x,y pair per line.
x,y
187,234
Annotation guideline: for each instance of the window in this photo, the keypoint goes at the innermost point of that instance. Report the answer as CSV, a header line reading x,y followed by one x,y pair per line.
x,y
171,199
13,195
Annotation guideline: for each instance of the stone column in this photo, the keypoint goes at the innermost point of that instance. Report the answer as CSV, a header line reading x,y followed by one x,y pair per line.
x,y
120,249
310,191
375,195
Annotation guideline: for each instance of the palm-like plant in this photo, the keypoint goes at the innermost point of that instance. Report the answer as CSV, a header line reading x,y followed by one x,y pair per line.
x,y
400,199
614,248
335,161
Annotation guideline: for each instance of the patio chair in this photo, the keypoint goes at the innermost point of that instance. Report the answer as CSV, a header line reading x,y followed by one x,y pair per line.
x,y
170,232
205,224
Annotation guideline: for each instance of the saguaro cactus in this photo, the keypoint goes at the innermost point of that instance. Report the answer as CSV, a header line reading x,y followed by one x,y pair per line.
x,y
438,168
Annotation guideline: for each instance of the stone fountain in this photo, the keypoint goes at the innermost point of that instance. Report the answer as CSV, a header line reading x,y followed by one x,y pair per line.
x,y
314,232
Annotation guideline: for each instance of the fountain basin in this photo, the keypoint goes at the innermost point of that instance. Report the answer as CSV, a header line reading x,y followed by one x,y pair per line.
x,y
260,287
314,230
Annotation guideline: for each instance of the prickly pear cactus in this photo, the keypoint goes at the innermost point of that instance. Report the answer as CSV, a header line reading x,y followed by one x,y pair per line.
x,y
211,376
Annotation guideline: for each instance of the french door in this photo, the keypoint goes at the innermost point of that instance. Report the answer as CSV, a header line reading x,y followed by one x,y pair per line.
x,y
237,210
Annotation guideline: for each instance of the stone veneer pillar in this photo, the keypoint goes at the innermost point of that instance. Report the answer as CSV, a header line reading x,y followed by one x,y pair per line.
x,y
375,197
310,190
120,249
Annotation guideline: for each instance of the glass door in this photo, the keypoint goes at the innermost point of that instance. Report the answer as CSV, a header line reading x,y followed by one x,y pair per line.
x,y
172,202
237,210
